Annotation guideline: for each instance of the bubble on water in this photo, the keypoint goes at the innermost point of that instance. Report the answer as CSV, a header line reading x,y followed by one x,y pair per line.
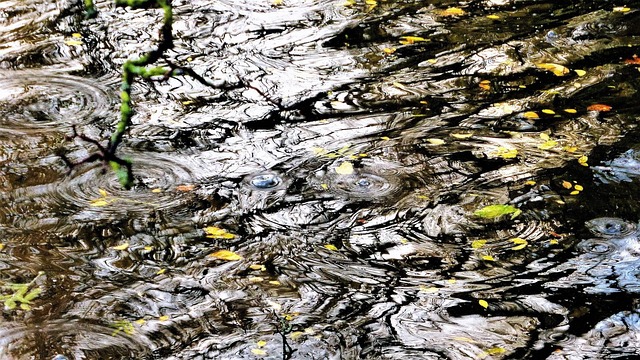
x,y
265,181
611,227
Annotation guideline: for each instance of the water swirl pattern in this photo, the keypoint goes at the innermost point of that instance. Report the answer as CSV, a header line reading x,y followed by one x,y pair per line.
x,y
359,180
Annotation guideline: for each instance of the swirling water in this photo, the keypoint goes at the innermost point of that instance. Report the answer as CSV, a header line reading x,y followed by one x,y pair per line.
x,y
341,151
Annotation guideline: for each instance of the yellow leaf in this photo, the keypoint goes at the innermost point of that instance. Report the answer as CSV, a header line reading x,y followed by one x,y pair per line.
x,y
385,138
505,153
575,192
493,17
258,352
331,247
226,255
1,246
451,281
570,148
553,242
544,136
566,184
580,72
483,303
621,9
530,182
156,190
73,42
429,289
103,192
531,115
578,187
520,243
495,350
124,246
346,168
452,11
218,233
477,244
434,141
140,321
257,267
261,343
161,271
148,248
275,282
164,318
582,160
276,2
550,144
488,258
556,69
432,61
570,111
296,335
407,40
99,202
76,35
389,51
461,136
324,186
560,202
255,279
548,111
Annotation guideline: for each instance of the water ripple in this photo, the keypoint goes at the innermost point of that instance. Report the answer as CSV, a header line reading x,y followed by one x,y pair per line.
x,y
37,101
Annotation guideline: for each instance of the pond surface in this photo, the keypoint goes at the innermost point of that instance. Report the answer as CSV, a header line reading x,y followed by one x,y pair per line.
x,y
322,200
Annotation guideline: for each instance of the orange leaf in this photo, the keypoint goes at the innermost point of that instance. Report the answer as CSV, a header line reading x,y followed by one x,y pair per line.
x,y
635,60
556,69
188,187
599,107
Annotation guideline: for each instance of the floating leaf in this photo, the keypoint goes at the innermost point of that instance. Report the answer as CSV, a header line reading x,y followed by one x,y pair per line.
x,y
621,9
389,51
452,11
556,69
488,258
578,187
76,35
187,187
164,318
497,210
73,42
580,72
435,141
575,192
331,247
261,343
485,85
407,40
99,202
599,107
520,243
346,168
530,115
477,244
548,111
161,271
296,335
570,111
505,153
582,160
549,144
495,351
461,136
530,182
566,184
124,246
214,232
483,303
493,17
258,352
226,255
428,289
635,60
257,267
103,192
275,282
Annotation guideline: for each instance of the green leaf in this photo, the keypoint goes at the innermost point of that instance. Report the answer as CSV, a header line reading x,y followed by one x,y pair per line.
x,y
496,211
32,294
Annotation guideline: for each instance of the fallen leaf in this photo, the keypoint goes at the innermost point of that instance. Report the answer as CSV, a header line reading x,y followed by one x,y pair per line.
x,y
570,111
73,42
599,107
331,247
124,246
549,144
408,40
435,141
99,202
488,258
566,184
635,60
76,35
261,343
452,11
530,115
477,244
493,17
346,168
520,243
483,303
218,233
226,255
164,318
461,136
578,187
498,210
258,352
485,85
556,69
188,187
575,192
548,111
389,51
582,160
621,9
580,72
505,153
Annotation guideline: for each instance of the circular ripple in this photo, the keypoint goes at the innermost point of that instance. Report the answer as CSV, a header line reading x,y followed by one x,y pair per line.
x,y
265,181
36,101
611,227
75,339
597,246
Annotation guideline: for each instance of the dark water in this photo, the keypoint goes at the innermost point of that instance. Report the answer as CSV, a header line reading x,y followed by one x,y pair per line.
x,y
351,205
